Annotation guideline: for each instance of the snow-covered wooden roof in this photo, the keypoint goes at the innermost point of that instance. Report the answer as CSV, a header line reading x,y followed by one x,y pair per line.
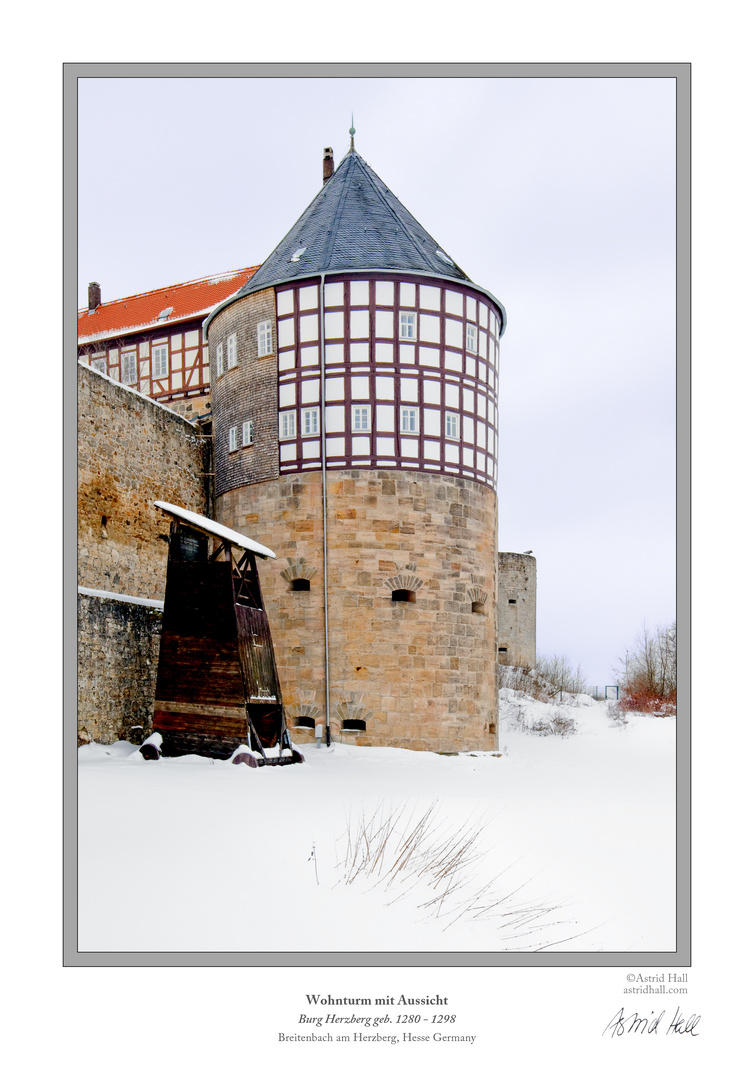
x,y
215,529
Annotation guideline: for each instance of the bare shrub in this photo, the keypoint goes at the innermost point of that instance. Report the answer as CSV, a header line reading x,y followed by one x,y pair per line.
x,y
648,672
559,672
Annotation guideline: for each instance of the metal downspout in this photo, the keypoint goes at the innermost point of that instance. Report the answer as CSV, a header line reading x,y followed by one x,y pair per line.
x,y
324,494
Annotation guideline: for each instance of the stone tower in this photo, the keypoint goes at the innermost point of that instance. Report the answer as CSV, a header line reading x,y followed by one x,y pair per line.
x,y
354,393
517,609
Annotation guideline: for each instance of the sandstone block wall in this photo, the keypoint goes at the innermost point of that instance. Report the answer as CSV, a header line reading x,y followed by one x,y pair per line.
x,y
118,650
517,609
131,451
419,675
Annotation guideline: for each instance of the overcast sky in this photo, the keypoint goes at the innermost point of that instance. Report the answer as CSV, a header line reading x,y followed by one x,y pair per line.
x,y
556,195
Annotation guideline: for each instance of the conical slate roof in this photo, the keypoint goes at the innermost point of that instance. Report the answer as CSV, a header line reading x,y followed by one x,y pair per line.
x,y
353,223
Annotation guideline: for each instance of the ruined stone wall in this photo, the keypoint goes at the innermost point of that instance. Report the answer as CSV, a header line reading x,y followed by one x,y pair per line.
x,y
131,451
517,609
420,674
118,650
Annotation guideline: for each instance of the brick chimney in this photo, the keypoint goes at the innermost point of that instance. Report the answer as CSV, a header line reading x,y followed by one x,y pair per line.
x,y
95,296
328,165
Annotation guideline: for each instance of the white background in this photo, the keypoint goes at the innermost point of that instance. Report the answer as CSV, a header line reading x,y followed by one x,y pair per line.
x,y
120,1022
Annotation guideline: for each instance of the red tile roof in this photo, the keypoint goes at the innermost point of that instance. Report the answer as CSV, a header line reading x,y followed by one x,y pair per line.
x,y
190,298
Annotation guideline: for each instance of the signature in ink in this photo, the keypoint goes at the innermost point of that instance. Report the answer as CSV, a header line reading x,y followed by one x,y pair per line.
x,y
633,1024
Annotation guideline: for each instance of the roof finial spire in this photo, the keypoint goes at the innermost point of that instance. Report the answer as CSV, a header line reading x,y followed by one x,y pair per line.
x,y
351,132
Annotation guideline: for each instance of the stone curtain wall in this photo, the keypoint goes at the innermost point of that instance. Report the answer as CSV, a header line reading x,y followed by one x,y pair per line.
x,y
131,451
421,674
118,650
517,621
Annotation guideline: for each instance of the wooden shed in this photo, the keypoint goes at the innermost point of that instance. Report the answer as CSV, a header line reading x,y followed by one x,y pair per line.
x,y
217,692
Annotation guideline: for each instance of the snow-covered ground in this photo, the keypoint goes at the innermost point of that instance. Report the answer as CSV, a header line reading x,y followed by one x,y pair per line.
x,y
559,843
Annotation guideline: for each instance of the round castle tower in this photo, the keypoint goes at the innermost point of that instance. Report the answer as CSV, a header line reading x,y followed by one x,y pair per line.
x,y
354,397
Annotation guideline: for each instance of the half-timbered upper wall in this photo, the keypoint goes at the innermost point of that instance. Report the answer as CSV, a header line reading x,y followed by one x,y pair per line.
x,y
411,379
165,363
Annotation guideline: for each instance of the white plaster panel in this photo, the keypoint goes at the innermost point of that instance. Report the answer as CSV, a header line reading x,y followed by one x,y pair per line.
x,y
192,338
468,429
468,456
335,447
334,354
287,395
334,324
481,462
431,389
286,333
451,395
143,350
310,448
384,292
383,324
309,391
481,406
429,297
334,294
359,352
471,366
285,302
309,355
359,327
194,379
470,309
335,388
453,361
409,390
360,387
383,353
308,326
286,360
431,422
360,444
409,447
384,421
359,293
407,354
308,298
468,400
335,418
451,452
385,446
408,294
288,452
176,342
481,435
429,328
454,333
453,302
484,315
429,357
191,357
385,387
432,449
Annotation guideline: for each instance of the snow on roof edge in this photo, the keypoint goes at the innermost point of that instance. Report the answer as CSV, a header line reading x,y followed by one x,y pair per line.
x,y
214,528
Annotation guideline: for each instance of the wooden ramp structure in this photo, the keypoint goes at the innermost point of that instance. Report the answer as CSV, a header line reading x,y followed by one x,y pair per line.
x,y
217,693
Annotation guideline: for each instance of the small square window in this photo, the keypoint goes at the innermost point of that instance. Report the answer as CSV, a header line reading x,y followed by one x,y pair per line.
x,y
471,345
264,337
159,362
128,368
360,418
219,359
232,356
409,420
232,438
408,326
451,425
310,421
247,433
288,424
